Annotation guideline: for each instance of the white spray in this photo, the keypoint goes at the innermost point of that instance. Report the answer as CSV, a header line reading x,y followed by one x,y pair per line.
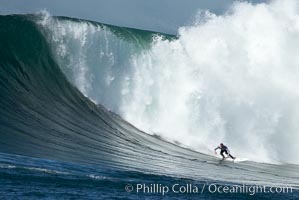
x,y
230,78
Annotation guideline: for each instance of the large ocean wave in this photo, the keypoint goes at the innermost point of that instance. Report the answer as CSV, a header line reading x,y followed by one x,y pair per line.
x,y
59,77
229,78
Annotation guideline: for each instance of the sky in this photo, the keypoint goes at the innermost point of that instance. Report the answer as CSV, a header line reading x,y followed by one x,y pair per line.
x,y
156,15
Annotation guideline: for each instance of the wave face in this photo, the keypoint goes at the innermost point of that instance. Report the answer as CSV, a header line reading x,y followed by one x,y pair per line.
x,y
230,78
41,113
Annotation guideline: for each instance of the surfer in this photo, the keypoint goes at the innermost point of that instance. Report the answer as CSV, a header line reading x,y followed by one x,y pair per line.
x,y
223,149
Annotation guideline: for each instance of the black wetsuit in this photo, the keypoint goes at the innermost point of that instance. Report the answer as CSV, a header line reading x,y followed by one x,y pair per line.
x,y
224,149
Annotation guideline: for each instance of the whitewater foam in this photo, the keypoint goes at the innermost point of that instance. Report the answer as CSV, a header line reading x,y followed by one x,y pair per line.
x,y
230,78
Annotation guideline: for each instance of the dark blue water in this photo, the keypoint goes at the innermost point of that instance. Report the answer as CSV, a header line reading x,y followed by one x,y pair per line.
x,y
33,178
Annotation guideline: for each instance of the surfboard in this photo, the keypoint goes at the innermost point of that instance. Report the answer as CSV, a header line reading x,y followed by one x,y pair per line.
x,y
240,159
228,159
235,160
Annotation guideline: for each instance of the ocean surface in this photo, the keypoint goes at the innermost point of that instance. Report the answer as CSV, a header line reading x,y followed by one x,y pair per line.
x,y
63,80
